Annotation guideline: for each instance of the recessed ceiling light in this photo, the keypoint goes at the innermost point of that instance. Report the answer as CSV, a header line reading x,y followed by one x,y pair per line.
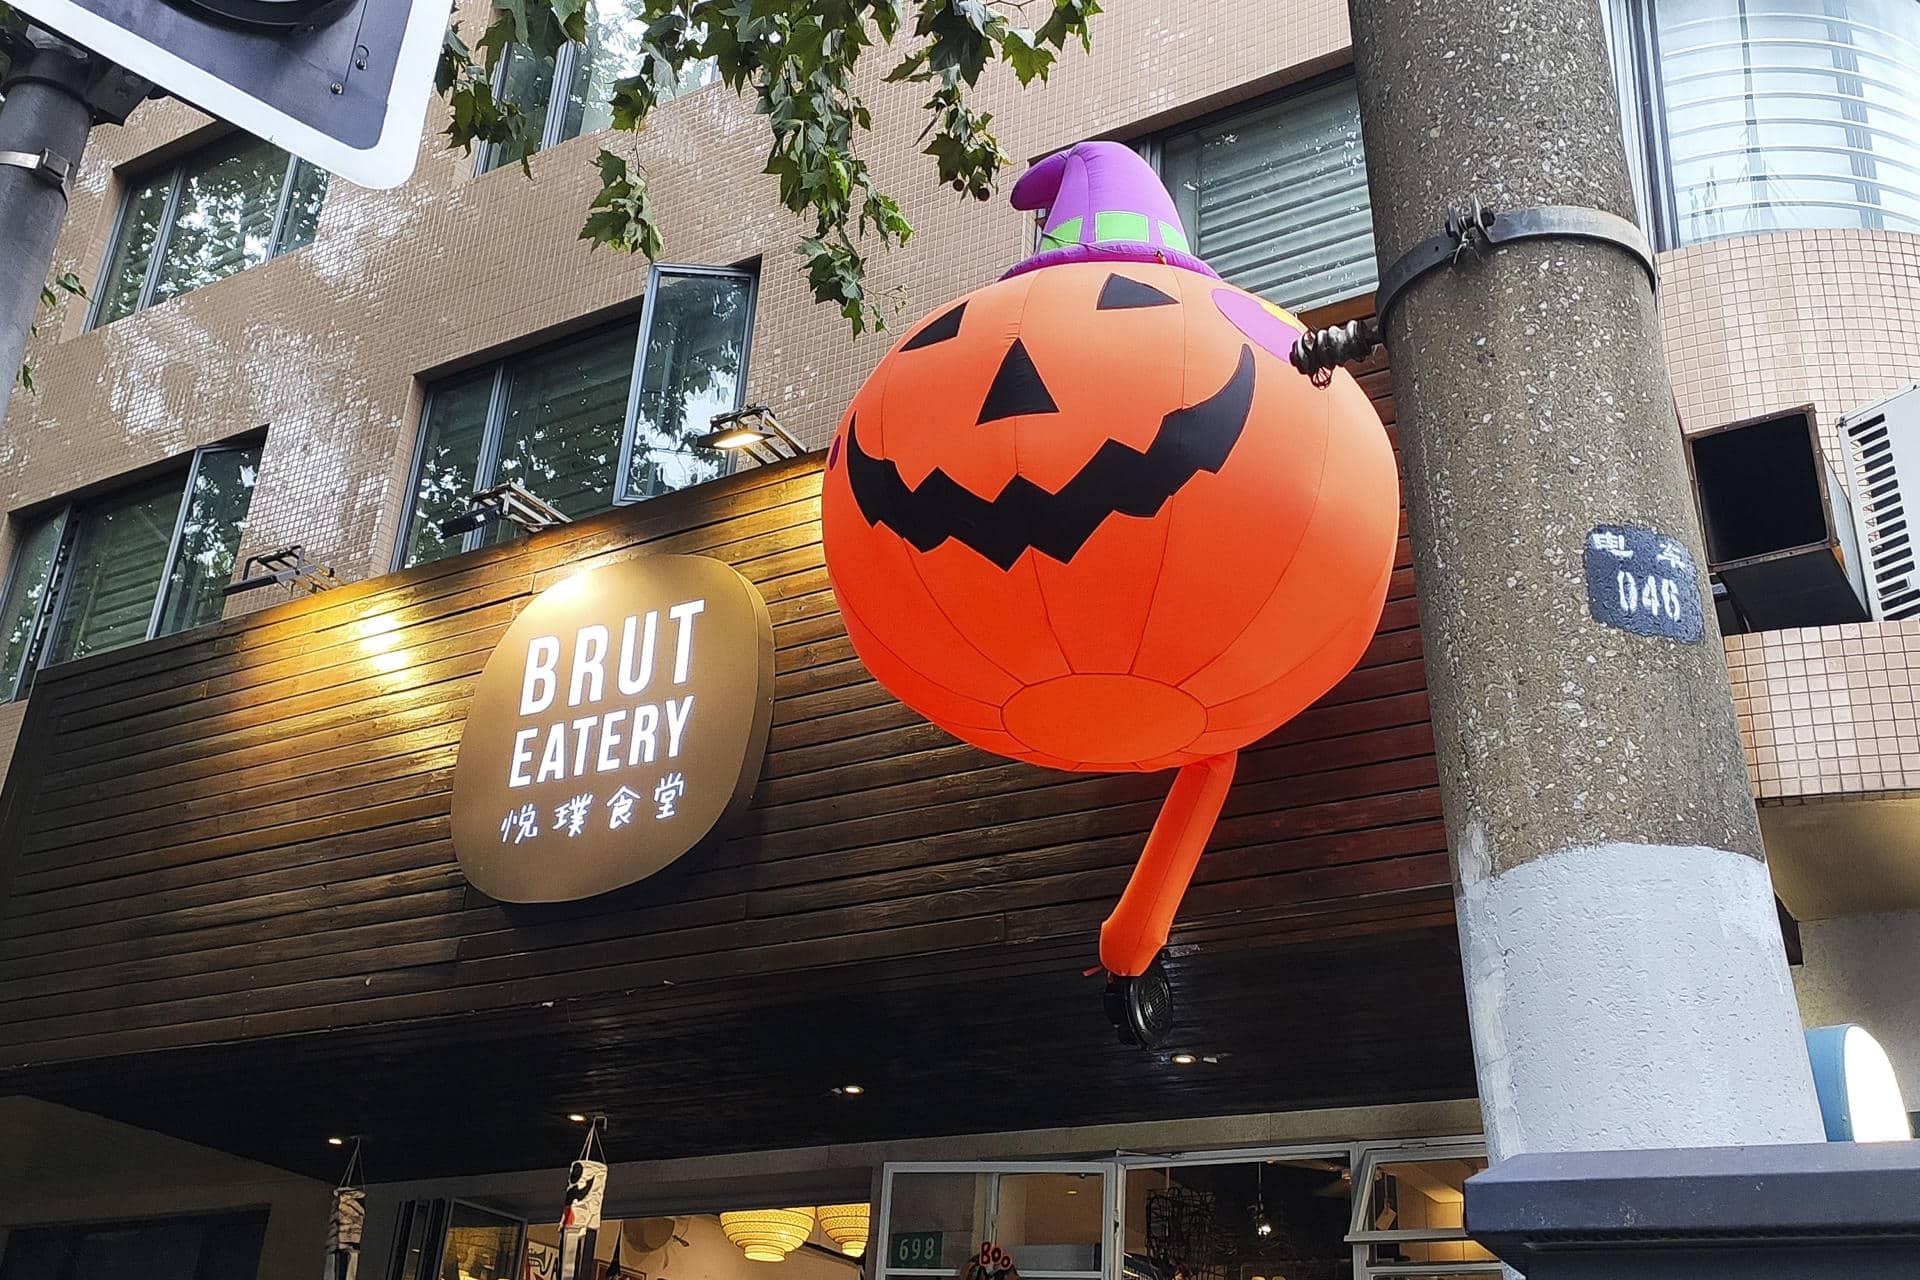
x,y
1184,1059
336,1142
850,1090
576,1117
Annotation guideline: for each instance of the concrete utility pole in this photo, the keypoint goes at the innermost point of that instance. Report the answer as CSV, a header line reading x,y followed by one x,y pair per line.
x,y
55,93
1626,981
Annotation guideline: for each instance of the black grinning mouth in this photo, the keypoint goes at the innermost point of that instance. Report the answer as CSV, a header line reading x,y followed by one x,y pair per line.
x,y
1117,480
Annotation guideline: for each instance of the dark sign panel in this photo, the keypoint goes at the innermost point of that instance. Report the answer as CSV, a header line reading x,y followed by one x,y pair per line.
x,y
341,83
1643,582
621,717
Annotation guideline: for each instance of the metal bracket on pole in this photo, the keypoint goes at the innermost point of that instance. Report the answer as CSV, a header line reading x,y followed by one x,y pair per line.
x,y
54,170
1317,353
110,92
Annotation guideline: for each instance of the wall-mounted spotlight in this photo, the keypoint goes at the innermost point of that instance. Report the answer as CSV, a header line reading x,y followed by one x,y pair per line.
x,y
751,432
512,502
288,567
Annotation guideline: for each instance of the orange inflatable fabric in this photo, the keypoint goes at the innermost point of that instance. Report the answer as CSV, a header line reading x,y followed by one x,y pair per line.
x,y
1090,517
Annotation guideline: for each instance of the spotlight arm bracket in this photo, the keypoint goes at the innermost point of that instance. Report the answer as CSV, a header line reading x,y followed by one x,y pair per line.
x,y
288,567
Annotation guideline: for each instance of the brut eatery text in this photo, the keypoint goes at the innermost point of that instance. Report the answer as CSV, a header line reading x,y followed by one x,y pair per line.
x,y
599,671
617,723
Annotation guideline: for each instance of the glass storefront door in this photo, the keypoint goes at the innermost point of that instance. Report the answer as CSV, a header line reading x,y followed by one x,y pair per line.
x,y
1345,1211
1407,1214
1053,1220
454,1240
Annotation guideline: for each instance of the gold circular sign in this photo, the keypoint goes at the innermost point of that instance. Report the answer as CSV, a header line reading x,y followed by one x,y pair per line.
x,y
623,715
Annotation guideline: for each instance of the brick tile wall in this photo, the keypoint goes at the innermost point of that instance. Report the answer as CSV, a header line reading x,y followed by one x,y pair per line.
x,y
1758,324
1829,710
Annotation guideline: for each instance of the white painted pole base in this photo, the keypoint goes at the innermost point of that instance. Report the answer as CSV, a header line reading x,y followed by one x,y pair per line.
x,y
1628,996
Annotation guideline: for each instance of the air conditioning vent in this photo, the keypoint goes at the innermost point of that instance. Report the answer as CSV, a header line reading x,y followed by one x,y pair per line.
x,y
1779,531
1883,461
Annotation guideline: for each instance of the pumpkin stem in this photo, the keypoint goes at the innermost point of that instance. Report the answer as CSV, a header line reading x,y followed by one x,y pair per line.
x,y
1138,927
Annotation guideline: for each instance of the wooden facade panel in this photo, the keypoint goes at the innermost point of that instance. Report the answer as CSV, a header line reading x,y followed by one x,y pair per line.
x,y
242,832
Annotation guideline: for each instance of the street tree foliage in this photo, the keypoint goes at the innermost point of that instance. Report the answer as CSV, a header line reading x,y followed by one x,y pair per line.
x,y
798,59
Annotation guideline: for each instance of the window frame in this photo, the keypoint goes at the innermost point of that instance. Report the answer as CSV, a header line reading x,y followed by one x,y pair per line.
x,y
1153,147
1368,1159
18,685
252,1216
552,129
486,159
1363,1157
494,431
1650,123
436,1213
176,175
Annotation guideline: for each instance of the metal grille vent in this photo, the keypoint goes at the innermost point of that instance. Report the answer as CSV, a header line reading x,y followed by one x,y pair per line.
x,y
1883,461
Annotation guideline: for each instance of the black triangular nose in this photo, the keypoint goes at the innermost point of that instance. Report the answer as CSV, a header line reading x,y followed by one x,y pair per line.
x,y
1016,389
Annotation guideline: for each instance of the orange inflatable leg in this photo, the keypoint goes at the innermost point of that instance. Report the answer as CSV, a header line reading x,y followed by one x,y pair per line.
x,y
1138,927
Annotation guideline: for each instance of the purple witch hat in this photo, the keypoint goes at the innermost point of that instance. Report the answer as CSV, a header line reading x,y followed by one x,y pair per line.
x,y
1104,204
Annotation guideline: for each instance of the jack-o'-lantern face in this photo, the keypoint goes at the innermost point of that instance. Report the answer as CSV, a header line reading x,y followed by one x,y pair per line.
x,y
1090,516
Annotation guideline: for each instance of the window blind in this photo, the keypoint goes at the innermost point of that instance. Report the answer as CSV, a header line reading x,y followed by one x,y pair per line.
x,y
1275,199
566,414
119,554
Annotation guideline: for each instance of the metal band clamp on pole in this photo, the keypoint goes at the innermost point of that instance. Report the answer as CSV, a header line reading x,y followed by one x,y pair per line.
x,y
53,169
1317,353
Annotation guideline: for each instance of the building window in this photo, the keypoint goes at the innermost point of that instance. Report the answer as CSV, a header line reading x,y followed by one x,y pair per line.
x,y
212,1247
223,209
591,421
570,96
1275,198
437,1238
147,560
1775,115
187,1248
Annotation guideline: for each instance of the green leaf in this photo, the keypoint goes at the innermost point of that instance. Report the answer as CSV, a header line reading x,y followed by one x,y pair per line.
x,y
800,64
1029,59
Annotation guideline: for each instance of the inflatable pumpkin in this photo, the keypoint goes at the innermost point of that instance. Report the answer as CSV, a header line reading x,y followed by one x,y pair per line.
x,y
1090,517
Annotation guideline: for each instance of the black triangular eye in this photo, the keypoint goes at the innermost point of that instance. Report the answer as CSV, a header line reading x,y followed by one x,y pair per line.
x,y
1016,389
1120,294
939,329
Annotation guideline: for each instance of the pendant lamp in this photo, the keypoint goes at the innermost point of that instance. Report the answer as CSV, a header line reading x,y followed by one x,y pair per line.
x,y
768,1235
846,1225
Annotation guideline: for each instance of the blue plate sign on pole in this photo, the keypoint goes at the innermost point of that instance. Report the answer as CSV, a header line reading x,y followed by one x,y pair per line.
x,y
1643,582
341,83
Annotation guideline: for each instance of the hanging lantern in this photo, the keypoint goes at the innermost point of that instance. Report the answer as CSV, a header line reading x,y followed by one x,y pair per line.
x,y
580,1210
846,1225
347,1222
768,1235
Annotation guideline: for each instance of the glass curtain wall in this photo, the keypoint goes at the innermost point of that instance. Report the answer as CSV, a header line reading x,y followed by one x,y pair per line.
x,y
1778,115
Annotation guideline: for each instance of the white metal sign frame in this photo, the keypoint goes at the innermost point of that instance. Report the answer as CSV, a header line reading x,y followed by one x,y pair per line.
x,y
387,162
